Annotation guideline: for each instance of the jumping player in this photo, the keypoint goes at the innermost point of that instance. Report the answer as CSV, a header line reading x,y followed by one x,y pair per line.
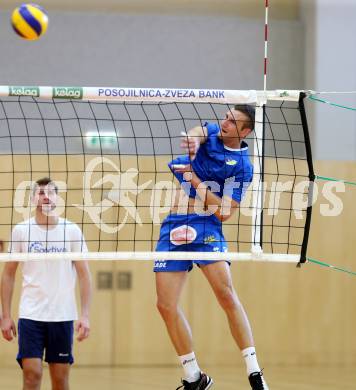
x,y
213,175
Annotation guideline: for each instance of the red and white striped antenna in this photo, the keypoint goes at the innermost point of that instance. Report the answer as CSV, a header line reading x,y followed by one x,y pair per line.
x,y
266,47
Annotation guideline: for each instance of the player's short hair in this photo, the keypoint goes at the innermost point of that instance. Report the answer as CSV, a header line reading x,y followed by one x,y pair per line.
x,y
43,182
248,110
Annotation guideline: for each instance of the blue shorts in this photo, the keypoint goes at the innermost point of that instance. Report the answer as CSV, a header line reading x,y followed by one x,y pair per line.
x,y
189,233
56,338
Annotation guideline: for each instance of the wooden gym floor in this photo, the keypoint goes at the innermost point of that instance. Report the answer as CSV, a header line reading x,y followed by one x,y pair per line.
x,y
279,378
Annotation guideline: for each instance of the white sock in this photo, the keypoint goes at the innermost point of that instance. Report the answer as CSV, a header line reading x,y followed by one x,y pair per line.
x,y
249,354
190,367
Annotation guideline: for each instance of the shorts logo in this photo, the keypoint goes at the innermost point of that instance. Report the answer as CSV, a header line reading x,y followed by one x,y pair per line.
x,y
160,264
183,235
218,249
210,239
63,354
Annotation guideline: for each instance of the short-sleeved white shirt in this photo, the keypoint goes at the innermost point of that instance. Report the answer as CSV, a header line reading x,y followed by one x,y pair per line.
x,y
48,286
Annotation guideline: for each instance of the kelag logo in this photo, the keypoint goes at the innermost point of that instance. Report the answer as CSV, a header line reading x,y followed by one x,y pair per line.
x,y
24,91
67,92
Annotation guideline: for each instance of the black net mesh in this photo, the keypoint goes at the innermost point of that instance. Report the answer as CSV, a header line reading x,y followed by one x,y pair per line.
x,y
109,161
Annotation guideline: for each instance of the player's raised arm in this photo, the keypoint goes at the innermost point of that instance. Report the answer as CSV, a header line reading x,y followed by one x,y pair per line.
x,y
191,140
222,208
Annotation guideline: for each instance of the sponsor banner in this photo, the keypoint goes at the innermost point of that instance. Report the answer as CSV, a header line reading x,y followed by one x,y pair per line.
x,y
152,94
172,95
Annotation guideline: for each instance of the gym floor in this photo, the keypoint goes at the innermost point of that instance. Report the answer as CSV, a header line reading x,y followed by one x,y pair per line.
x,y
167,378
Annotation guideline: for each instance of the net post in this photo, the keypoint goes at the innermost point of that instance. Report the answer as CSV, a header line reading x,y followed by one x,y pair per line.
x,y
311,175
257,184
263,170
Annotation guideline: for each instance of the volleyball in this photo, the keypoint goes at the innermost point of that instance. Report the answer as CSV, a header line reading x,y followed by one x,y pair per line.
x,y
29,21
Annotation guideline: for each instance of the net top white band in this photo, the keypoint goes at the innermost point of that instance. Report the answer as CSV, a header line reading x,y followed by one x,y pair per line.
x,y
151,94
175,255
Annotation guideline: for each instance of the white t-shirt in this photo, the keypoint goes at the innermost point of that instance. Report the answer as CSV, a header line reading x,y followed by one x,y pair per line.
x,y
48,287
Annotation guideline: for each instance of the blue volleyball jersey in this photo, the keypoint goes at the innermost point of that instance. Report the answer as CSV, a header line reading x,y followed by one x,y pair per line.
x,y
226,171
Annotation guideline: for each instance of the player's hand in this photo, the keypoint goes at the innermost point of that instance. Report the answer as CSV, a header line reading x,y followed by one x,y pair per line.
x,y
187,170
82,328
181,168
190,144
8,329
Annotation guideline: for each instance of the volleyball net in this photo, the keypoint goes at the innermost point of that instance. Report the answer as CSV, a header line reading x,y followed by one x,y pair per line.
x,y
108,149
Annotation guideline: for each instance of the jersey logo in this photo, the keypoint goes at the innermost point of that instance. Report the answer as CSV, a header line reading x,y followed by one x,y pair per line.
x,y
38,247
230,162
183,235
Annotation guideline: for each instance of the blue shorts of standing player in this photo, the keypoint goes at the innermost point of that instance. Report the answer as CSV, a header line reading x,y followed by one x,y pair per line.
x,y
53,338
189,233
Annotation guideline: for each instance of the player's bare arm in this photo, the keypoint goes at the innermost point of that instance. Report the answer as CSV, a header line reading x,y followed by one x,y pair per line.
x,y
222,207
191,140
85,286
8,327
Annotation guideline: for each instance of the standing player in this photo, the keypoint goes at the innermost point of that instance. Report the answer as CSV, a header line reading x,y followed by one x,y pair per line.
x,y
47,306
213,176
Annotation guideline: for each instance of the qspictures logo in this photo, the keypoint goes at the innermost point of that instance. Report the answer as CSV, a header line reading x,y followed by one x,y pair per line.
x,y
24,91
107,186
67,92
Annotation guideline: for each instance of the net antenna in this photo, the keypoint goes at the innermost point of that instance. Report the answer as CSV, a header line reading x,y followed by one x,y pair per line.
x,y
266,47
107,150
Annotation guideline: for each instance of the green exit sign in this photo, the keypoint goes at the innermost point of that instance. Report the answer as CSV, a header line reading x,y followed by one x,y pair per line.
x,y
101,139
